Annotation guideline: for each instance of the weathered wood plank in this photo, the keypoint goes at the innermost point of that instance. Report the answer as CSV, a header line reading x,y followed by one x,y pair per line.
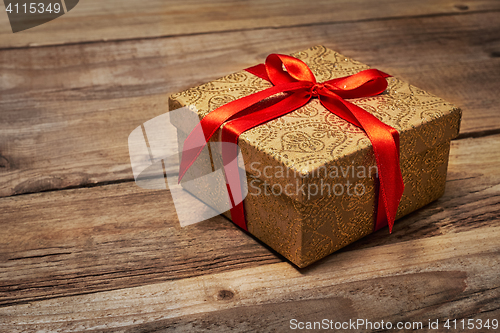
x,y
110,237
416,280
66,112
79,241
94,20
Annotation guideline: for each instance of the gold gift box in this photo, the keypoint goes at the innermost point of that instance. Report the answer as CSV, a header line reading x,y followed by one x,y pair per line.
x,y
319,150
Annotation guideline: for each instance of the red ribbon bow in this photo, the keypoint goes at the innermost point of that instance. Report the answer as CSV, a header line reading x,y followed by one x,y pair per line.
x,y
292,76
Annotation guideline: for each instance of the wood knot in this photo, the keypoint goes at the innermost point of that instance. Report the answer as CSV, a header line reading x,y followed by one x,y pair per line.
x,y
4,163
461,7
225,295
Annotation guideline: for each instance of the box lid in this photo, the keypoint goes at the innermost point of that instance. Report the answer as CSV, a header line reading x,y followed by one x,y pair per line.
x,y
312,144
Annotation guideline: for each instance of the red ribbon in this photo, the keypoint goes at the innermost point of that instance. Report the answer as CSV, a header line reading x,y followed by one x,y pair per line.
x,y
292,76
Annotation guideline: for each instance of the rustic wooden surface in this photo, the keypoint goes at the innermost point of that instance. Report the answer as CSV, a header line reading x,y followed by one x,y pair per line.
x,y
82,248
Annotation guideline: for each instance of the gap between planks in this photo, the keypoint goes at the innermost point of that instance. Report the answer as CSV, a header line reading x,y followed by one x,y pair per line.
x,y
128,20
474,135
118,40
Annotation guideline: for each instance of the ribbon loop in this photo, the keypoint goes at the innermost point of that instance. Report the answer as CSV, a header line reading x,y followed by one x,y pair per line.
x,y
285,69
370,82
292,76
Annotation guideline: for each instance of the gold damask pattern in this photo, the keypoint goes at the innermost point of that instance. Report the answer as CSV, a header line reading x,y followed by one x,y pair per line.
x,y
304,227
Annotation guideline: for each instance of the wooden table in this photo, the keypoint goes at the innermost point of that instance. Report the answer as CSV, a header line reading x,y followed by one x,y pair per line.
x,y
83,248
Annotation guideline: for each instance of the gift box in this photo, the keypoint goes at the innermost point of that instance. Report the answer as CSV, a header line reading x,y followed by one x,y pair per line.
x,y
312,177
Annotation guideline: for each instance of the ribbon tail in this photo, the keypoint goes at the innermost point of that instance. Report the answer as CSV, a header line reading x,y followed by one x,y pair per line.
x,y
260,71
385,142
232,131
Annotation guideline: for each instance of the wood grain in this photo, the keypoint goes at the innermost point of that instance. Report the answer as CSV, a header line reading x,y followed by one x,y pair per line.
x,y
87,240
66,112
90,240
94,20
416,280
97,253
